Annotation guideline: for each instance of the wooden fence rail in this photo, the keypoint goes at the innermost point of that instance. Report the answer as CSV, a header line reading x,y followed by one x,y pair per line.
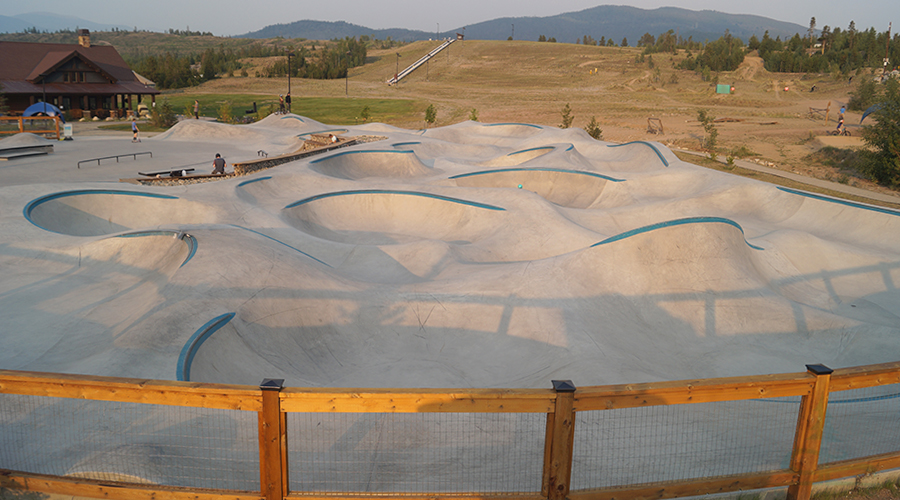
x,y
273,404
20,123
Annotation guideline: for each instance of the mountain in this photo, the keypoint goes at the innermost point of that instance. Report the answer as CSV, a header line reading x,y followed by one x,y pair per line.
x,y
617,22
610,21
48,21
327,30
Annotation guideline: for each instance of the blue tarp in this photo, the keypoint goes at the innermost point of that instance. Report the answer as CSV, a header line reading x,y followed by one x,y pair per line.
x,y
45,108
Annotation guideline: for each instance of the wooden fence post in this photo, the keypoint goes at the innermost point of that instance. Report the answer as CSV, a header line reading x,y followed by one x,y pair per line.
x,y
808,437
272,442
559,443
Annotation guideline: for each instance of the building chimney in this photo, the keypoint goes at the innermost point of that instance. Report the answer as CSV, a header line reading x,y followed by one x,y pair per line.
x,y
84,38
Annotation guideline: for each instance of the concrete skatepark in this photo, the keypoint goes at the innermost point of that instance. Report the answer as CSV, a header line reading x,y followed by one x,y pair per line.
x,y
473,255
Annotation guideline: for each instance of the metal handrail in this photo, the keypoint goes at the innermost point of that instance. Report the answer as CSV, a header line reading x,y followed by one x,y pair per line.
x,y
116,157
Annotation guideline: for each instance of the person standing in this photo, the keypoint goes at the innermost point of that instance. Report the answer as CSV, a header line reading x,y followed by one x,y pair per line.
x,y
218,165
196,109
134,131
287,100
281,104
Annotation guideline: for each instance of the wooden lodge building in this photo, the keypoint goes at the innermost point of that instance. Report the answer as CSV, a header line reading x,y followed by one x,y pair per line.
x,y
85,80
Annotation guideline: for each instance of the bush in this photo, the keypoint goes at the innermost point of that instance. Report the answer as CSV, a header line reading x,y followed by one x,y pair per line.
x,y
566,117
163,116
430,114
706,120
226,115
473,115
365,114
264,112
593,129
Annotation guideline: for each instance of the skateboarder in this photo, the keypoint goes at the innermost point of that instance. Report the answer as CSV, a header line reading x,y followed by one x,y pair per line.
x,y
134,131
218,165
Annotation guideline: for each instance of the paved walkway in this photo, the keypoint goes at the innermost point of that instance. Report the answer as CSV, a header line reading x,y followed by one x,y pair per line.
x,y
834,186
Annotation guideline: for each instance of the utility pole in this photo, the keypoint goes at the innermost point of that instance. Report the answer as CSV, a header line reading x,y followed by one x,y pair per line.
x,y
347,77
289,54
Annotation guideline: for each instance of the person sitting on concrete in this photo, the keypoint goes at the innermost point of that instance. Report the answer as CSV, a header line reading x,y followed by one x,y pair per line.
x,y
218,165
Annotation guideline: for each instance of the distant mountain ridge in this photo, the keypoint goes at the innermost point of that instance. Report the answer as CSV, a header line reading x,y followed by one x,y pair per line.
x,y
50,22
610,21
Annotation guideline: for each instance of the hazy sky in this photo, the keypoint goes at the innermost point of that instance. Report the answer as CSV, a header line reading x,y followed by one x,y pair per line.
x,y
234,17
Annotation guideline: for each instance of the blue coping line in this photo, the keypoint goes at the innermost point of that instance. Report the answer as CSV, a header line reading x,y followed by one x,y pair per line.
x,y
645,143
189,240
280,242
522,124
532,149
570,148
839,201
394,191
411,143
293,118
183,370
676,222
323,131
43,199
538,169
251,181
342,153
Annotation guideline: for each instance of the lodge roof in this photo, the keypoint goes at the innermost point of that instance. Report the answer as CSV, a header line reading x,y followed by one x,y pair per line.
x,y
23,64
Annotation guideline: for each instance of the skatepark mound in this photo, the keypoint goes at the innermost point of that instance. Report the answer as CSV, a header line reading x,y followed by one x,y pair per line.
x,y
472,255
194,130
497,134
567,188
361,164
23,140
384,217
94,212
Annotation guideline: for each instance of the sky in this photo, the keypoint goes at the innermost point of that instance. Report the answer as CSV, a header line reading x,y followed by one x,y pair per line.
x,y
235,17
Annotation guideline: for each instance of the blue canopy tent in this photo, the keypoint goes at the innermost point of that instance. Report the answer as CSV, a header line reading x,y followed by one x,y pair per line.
x,y
43,108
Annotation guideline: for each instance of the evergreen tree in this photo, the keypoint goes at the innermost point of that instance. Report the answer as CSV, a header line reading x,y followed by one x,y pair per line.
x,y
881,160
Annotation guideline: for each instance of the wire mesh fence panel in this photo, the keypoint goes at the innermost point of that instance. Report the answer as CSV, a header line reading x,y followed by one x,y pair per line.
x,y
415,452
634,446
860,423
130,442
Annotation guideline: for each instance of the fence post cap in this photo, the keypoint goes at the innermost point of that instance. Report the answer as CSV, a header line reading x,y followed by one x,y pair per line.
x,y
563,385
819,369
272,384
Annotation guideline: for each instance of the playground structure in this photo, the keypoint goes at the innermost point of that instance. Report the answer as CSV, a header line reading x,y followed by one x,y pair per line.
x,y
416,65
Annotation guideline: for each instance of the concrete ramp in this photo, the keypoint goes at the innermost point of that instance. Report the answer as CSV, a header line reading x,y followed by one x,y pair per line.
x,y
361,164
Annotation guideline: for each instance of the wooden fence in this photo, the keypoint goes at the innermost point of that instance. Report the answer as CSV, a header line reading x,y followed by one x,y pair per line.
x,y
561,405
20,125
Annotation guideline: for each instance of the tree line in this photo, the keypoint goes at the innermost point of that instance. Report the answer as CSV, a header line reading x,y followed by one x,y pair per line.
x,y
170,71
831,51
